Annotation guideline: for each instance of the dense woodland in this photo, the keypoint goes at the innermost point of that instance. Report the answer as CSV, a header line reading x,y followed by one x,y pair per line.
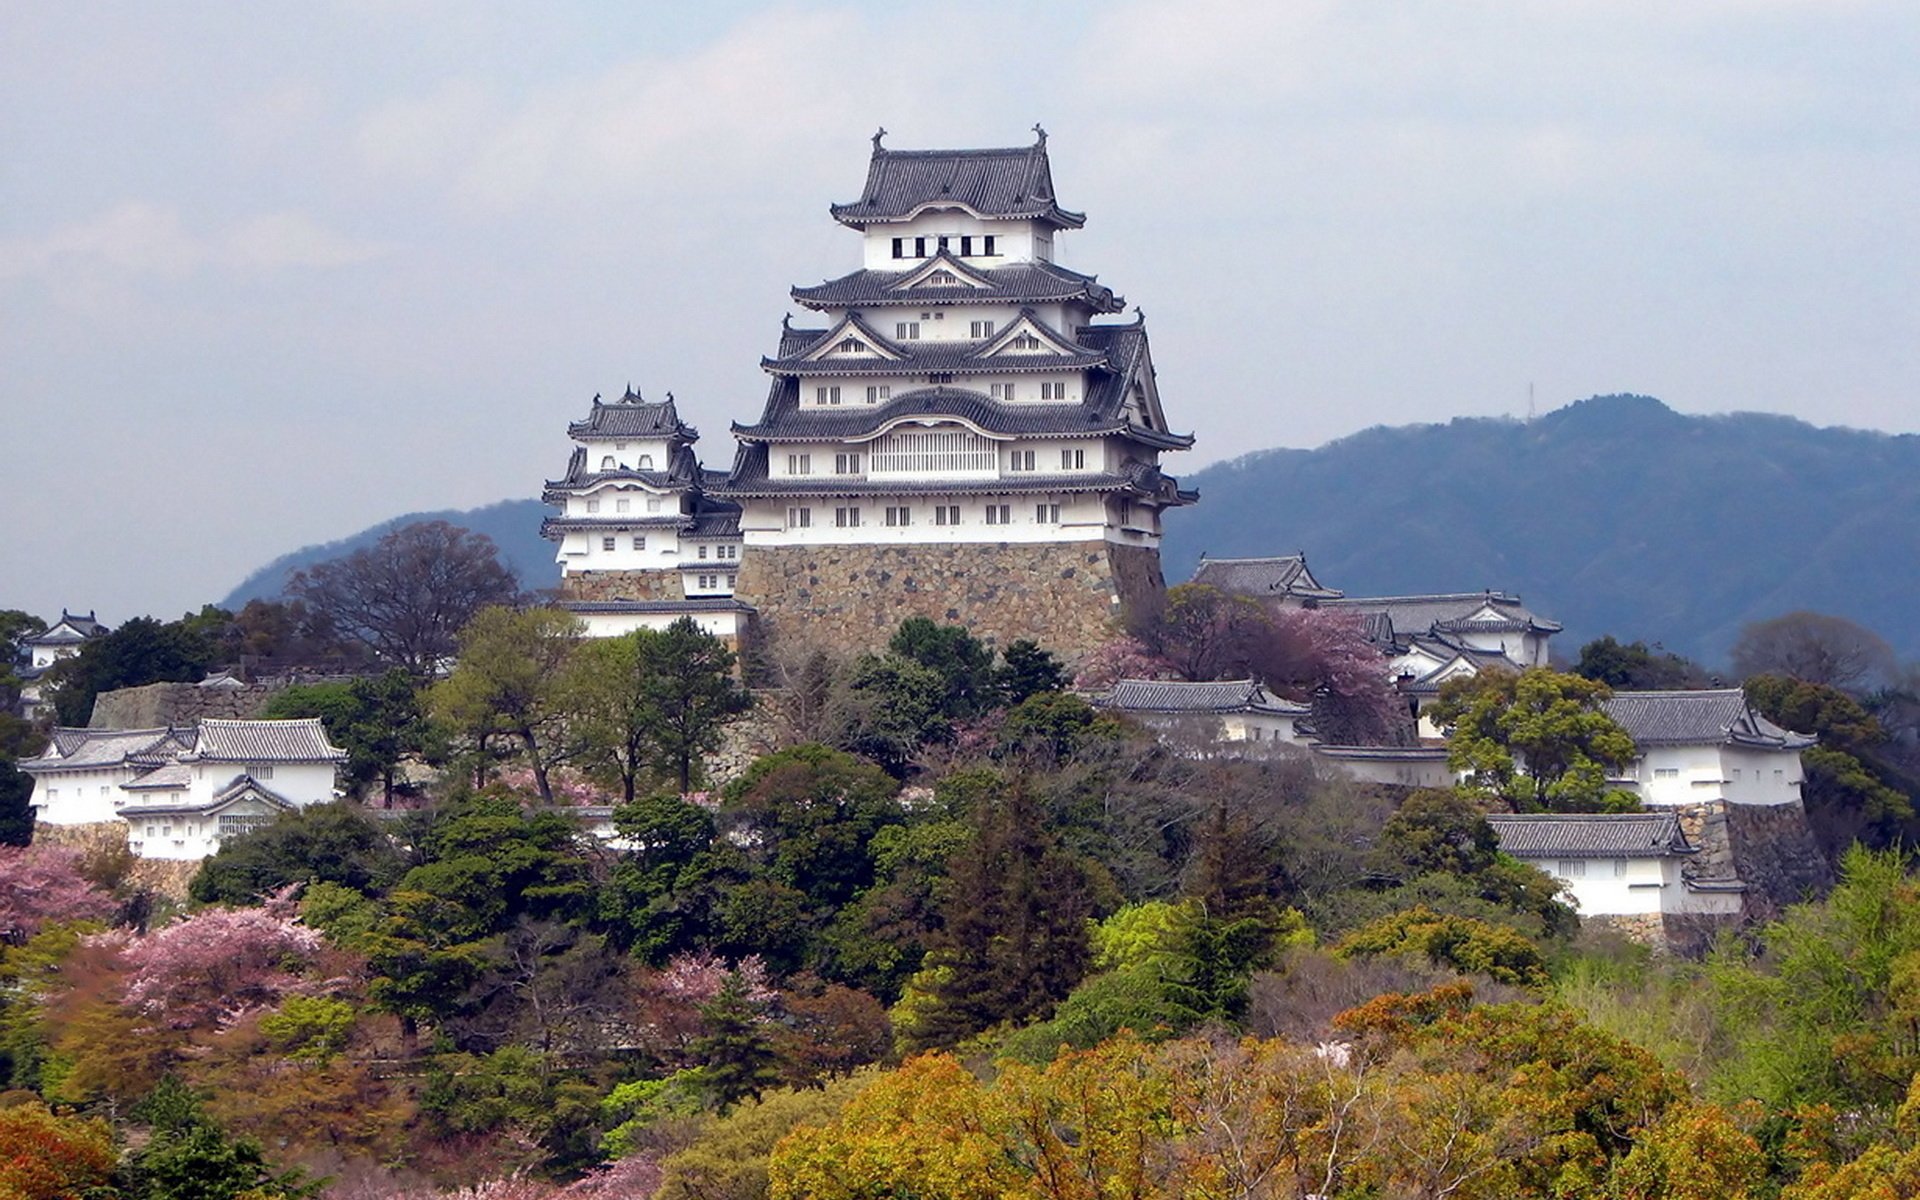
x,y
960,934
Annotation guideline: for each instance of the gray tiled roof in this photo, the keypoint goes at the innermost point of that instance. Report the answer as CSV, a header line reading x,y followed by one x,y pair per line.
x,y
240,788
751,478
69,630
1167,696
994,416
683,470
1015,182
631,416
69,748
1720,716
1590,835
1283,575
1103,410
173,775
264,741
714,521
1414,615
914,356
1021,283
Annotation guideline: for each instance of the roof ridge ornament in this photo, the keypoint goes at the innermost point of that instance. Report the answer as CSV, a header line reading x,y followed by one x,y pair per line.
x,y
877,135
1040,137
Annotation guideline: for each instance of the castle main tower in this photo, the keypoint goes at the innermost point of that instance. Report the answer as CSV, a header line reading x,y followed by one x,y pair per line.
x,y
957,434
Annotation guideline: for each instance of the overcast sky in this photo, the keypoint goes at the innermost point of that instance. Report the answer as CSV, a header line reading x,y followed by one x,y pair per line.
x,y
270,273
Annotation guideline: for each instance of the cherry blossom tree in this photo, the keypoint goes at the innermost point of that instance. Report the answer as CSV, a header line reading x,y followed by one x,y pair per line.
x,y
214,967
42,885
1121,658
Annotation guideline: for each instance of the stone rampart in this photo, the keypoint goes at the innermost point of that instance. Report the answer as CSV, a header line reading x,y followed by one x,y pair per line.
x,y
623,585
159,704
1069,597
1768,847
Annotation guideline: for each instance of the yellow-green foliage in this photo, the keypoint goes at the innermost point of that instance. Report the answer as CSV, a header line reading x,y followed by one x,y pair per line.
x,y
1462,943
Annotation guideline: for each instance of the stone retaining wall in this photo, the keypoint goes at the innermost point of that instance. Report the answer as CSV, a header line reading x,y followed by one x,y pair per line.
x,y
159,704
1770,848
1069,597
623,585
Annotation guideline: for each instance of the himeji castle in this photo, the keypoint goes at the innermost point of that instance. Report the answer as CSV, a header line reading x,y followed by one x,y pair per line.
x,y
963,429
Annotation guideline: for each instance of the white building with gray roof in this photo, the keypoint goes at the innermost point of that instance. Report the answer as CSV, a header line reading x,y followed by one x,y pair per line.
x,y
639,541
180,791
1701,746
960,386
1239,712
1617,864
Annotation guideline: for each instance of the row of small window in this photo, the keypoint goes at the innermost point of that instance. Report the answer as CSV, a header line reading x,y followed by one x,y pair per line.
x,y
943,244
849,516
1576,868
828,395
620,506
640,543
709,583
1017,460
831,395
608,463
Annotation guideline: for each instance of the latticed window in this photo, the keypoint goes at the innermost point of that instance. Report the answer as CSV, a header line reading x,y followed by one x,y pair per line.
x,y
933,452
233,825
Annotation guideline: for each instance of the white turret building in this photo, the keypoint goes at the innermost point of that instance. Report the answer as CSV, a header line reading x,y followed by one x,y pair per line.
x,y
639,542
959,435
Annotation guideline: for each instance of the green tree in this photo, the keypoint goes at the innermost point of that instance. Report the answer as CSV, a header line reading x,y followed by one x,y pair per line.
x,y
1435,830
608,693
189,1157
508,683
656,899
963,663
1635,666
378,721
1013,942
690,694
886,708
1026,670
330,843
1851,791
1536,741
736,1054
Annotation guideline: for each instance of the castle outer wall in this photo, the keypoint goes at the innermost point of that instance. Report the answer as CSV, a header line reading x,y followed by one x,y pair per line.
x,y
1068,596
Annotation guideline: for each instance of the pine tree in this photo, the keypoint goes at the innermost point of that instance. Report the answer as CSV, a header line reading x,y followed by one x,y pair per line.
x,y
1015,936
738,1059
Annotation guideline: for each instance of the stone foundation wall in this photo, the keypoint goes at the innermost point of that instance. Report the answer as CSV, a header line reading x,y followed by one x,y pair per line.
x,y
623,585
1775,851
159,704
1770,848
163,877
1069,597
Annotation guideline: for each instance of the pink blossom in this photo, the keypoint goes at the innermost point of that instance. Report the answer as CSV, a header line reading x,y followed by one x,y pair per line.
x,y
1117,659
218,965
635,1178
697,977
41,885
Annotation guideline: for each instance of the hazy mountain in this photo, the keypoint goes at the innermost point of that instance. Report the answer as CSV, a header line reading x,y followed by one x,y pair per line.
x,y
1613,515
514,526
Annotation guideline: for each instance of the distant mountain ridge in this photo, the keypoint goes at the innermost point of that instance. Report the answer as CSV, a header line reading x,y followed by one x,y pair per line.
x,y
514,526
1612,515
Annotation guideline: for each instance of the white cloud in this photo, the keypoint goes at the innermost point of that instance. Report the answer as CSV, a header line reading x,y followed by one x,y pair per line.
x,y
292,239
139,239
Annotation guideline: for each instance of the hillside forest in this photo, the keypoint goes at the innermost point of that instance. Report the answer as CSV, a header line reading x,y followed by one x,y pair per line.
x,y
926,922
